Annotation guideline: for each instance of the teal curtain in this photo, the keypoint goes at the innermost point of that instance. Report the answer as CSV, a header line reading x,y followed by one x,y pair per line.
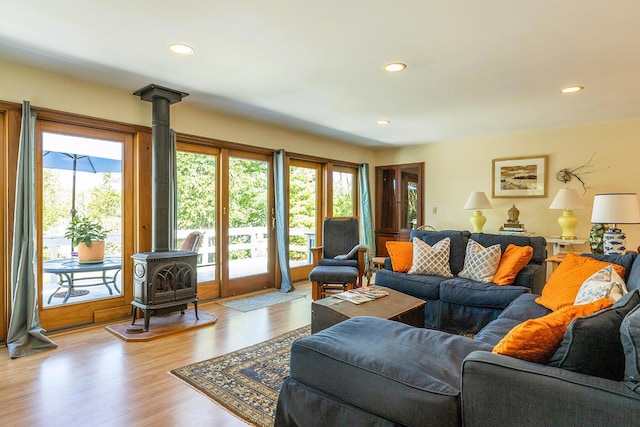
x,y
173,191
366,222
25,335
282,228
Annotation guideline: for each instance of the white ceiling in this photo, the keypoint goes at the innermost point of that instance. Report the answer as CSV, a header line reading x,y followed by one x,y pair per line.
x,y
475,68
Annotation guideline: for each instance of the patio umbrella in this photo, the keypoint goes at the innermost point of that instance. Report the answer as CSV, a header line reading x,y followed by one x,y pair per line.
x,y
79,163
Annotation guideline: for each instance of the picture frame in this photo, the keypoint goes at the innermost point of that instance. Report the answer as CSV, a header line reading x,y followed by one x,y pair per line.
x,y
519,177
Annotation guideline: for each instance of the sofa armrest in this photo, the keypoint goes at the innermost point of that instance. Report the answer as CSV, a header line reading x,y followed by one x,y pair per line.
x,y
499,391
387,264
532,276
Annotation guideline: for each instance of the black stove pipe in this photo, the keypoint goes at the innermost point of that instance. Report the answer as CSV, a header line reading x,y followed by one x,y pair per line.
x,y
161,98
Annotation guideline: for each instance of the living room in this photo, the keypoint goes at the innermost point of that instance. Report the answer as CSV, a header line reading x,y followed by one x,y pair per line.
x,y
453,168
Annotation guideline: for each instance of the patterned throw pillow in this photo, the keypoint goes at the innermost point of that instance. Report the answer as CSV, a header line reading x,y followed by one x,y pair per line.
x,y
431,260
480,263
604,283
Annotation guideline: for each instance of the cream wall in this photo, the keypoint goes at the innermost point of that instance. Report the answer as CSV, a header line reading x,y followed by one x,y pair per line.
x,y
75,96
454,169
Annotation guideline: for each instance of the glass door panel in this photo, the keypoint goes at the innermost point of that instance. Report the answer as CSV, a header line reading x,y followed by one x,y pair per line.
x,y
196,210
81,178
344,193
82,173
249,244
303,216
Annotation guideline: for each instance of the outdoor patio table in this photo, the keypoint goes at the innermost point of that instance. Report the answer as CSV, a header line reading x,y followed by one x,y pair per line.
x,y
65,269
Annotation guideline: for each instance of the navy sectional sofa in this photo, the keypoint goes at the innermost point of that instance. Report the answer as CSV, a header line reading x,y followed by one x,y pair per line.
x,y
460,304
374,372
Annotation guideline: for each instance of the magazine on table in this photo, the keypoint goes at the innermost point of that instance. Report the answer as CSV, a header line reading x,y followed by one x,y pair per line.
x,y
360,295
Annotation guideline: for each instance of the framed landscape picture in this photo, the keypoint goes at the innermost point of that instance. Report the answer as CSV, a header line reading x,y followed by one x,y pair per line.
x,y
520,177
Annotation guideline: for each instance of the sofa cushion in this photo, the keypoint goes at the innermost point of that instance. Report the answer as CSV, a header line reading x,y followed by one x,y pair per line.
x,y
538,243
496,330
592,344
625,260
604,283
513,259
630,337
563,285
401,254
480,263
536,340
633,278
420,286
524,308
458,244
377,365
431,260
459,290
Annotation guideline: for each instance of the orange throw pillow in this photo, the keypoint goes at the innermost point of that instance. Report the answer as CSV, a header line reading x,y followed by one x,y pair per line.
x,y
401,254
562,287
512,261
536,340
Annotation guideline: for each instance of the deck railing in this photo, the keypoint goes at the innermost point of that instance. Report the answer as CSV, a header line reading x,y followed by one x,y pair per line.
x,y
252,240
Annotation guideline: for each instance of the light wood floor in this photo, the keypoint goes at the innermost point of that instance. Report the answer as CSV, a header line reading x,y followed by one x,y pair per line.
x,y
96,379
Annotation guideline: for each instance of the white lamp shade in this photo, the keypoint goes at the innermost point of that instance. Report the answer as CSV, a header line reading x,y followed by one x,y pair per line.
x,y
567,199
477,200
615,208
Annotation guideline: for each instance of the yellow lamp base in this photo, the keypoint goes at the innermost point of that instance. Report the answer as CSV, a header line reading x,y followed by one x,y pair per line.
x,y
477,221
568,223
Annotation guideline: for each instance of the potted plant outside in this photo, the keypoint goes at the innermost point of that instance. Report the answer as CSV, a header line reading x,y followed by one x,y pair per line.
x,y
88,235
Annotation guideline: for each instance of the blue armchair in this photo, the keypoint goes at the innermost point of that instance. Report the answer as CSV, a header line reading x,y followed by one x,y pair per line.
x,y
341,245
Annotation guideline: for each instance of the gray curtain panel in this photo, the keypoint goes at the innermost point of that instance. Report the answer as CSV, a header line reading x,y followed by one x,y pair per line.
x,y
25,335
282,231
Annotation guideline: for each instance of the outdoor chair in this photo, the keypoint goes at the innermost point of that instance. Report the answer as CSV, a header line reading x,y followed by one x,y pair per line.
x,y
341,246
193,241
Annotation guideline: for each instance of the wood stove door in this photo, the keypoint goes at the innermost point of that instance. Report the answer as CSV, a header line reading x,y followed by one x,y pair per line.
x,y
247,243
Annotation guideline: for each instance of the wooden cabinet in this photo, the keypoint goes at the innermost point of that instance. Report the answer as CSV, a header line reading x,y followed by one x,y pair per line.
x,y
398,203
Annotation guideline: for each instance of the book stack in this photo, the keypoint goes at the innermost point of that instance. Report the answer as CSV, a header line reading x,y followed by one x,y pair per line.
x,y
513,229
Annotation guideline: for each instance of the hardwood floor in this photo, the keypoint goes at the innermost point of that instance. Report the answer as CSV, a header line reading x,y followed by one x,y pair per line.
x,y
96,379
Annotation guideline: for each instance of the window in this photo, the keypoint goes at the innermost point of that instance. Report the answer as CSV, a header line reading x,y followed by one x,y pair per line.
x,y
344,192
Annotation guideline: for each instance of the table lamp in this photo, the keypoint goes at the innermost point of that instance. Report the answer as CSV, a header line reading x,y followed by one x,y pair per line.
x,y
567,199
614,209
477,200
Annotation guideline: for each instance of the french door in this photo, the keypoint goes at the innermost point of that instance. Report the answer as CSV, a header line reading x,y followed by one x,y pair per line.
x,y
82,173
304,220
197,205
248,223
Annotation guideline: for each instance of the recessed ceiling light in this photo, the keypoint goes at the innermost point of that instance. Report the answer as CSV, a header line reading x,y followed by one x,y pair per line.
x,y
181,49
572,89
383,122
394,67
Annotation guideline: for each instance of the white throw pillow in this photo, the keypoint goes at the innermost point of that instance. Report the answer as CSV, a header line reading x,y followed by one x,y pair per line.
x,y
431,260
605,283
480,263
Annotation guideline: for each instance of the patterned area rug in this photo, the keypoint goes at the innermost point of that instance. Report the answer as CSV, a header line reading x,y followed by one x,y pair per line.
x,y
246,382
260,301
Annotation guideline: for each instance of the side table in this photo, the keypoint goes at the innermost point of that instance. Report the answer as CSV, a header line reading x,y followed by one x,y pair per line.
x,y
559,244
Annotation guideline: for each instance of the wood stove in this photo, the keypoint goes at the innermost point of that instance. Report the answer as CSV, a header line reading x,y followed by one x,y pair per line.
x,y
164,280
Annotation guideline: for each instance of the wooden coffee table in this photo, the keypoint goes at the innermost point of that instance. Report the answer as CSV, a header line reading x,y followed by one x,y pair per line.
x,y
395,306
